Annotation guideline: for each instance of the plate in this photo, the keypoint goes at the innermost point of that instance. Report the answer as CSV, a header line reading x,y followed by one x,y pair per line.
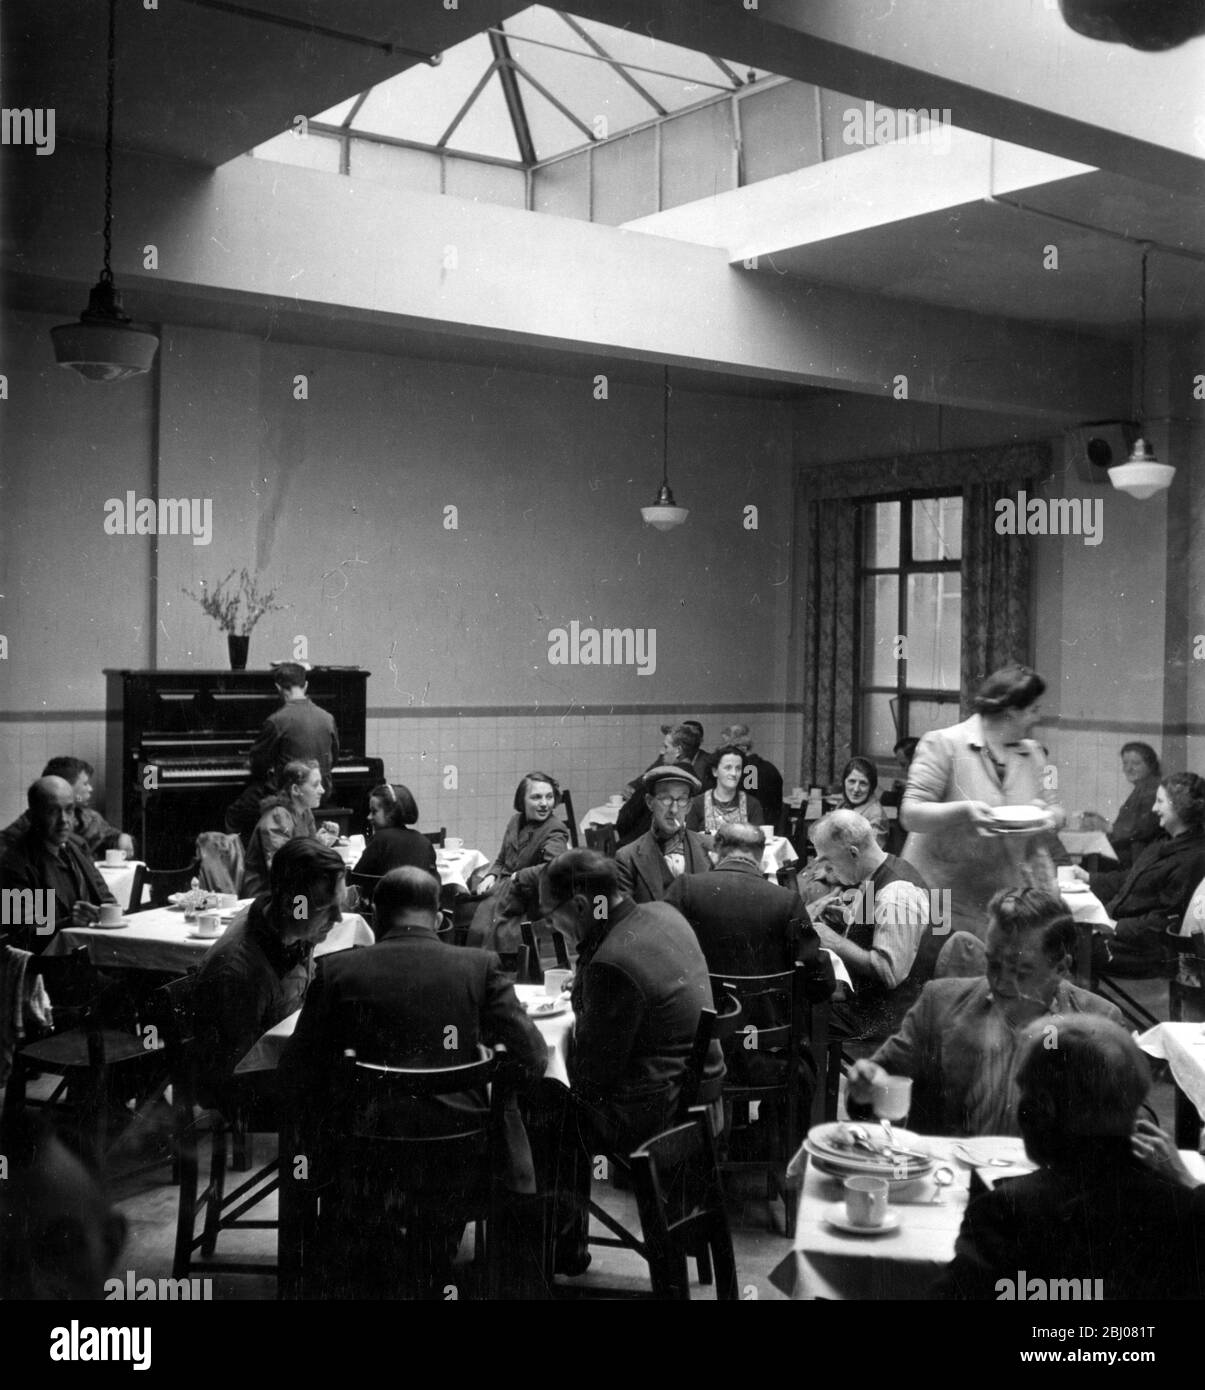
x,y
835,1216
1018,816
552,1009
894,1185
196,936
1077,890
838,1168
824,1139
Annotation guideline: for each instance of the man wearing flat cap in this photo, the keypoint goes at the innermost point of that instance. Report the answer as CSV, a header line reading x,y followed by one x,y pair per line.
x,y
667,850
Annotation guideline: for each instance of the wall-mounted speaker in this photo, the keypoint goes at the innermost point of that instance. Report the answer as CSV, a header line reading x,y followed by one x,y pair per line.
x,y
1093,449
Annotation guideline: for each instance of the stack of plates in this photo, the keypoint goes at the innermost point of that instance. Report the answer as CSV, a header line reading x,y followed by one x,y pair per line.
x,y
1018,820
833,1154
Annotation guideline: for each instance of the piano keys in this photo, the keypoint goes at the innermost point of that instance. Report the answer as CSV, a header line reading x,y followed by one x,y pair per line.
x,y
176,751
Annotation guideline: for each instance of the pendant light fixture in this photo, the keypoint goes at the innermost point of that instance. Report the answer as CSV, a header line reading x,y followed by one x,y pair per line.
x,y
665,513
1142,475
104,345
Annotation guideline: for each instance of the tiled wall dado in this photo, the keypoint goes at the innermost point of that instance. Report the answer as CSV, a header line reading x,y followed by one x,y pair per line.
x,y
592,754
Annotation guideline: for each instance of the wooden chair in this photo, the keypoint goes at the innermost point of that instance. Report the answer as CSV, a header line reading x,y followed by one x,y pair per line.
x,y
602,838
779,996
164,882
431,1182
99,1066
560,949
1186,1004
682,1211
437,837
569,816
217,1209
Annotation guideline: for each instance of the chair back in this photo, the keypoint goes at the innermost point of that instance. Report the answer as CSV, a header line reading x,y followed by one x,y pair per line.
x,y
535,971
603,838
682,1209
437,837
164,882
173,1014
779,997
565,809
696,1063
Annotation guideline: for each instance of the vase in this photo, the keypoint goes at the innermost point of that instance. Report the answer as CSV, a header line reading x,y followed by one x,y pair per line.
x,y
238,646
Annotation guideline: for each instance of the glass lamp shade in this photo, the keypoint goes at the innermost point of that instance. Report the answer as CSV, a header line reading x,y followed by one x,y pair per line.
x,y
104,345
1142,475
664,514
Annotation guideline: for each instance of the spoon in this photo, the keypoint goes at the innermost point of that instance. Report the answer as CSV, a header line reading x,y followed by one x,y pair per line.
x,y
942,1178
972,1162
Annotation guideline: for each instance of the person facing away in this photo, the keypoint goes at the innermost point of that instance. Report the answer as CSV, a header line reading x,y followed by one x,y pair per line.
x,y
392,811
49,867
89,825
958,1042
667,850
299,731
1094,1212
878,922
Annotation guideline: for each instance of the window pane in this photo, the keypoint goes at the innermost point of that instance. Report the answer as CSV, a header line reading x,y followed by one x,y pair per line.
x,y
880,624
881,535
878,727
937,528
934,630
926,715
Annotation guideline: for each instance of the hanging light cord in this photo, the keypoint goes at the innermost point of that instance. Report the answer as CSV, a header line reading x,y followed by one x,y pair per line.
x,y
665,435
107,273
1142,343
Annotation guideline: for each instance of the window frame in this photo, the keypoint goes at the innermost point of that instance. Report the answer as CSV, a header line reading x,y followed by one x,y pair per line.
x,y
901,696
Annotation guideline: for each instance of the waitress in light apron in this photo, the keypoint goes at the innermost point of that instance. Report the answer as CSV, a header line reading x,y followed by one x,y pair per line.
x,y
956,778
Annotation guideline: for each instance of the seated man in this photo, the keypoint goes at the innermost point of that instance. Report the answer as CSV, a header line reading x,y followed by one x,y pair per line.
x,y
958,1042
89,825
678,744
47,879
1093,1212
256,974
883,935
410,1000
667,850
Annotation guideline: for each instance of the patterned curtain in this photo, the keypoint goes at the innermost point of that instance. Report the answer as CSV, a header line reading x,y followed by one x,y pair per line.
x,y
995,578
995,587
830,649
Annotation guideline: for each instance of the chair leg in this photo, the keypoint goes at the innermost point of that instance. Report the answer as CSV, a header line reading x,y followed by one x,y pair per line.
x,y
186,1215
703,1263
241,1160
215,1192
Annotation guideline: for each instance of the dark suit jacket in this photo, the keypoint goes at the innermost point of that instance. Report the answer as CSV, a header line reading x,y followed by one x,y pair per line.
x,y
408,1001
642,867
1152,894
640,987
1099,1215
30,865
297,730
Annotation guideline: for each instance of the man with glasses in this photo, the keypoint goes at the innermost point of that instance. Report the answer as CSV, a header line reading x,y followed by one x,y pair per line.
x,y
667,850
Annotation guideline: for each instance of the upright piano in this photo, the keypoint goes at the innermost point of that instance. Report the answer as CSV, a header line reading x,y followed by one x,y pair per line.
x,y
177,743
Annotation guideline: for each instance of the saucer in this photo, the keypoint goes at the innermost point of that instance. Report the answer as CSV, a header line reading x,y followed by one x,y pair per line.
x,y
835,1216
111,926
197,936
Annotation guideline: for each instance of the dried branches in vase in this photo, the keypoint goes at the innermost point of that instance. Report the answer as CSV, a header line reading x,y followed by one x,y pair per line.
x,y
236,606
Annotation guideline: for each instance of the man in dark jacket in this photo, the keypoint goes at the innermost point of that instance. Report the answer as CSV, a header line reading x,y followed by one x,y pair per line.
x,y
47,878
667,850
409,1001
1093,1221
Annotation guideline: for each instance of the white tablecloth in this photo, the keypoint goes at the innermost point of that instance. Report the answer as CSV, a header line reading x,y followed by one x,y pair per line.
x,y
601,815
1081,842
826,1263
455,866
161,939
266,1054
119,880
779,851
1182,1046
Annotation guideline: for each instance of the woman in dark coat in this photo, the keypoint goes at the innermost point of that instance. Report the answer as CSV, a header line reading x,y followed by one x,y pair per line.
x,y
1154,894
392,810
533,838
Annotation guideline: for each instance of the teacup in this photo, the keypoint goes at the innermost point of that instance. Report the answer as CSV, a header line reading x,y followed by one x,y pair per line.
x,y
767,831
453,843
615,800
227,902
115,856
110,914
208,923
866,1201
1067,878
554,980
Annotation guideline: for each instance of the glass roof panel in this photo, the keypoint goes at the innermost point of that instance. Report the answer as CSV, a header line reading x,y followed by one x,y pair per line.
x,y
422,102
486,128
559,52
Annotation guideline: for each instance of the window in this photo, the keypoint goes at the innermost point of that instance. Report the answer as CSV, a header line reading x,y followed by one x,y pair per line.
x,y
909,618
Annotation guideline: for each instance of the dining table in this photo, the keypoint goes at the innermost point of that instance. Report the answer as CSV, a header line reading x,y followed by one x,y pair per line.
x,y
119,880
1078,843
160,939
825,1262
453,863
1182,1047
